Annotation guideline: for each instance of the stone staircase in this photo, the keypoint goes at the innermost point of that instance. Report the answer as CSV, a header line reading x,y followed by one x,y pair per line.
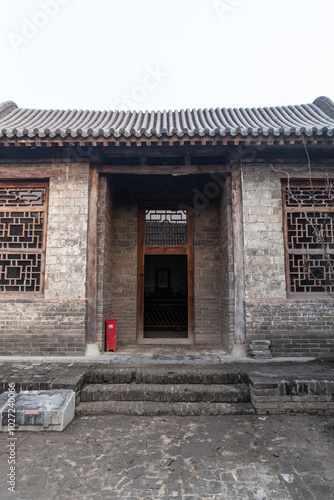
x,y
165,390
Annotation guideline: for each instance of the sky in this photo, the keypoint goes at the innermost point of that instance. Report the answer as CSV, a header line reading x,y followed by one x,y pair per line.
x,y
171,54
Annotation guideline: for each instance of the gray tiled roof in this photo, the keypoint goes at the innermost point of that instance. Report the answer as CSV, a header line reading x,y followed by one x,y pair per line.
x,y
316,118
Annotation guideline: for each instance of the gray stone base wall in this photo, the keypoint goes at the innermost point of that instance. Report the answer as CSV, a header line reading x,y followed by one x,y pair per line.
x,y
294,328
34,327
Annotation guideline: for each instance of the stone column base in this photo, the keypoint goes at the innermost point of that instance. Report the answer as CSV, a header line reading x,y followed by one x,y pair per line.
x,y
239,351
92,350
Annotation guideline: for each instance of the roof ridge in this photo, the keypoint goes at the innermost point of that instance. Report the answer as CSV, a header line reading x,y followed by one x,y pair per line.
x,y
6,108
326,105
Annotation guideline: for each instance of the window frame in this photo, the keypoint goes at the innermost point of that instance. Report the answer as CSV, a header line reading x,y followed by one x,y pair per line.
x,y
287,252
25,251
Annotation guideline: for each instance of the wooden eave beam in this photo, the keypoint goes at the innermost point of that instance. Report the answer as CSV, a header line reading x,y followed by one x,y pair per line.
x,y
164,142
163,169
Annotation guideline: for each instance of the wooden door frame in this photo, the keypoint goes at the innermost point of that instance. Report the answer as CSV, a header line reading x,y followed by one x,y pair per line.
x,y
187,250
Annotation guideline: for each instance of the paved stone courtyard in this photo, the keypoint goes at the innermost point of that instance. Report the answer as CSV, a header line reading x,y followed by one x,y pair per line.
x,y
251,457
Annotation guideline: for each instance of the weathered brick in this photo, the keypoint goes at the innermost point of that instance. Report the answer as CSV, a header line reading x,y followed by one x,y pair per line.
x,y
41,325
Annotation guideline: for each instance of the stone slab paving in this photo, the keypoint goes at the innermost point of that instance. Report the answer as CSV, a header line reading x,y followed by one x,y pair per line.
x,y
276,457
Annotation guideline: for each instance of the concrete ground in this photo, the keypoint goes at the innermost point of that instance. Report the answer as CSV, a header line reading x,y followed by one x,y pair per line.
x,y
281,457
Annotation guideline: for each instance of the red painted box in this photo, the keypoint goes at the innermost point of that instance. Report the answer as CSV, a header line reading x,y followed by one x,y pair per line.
x,y
111,335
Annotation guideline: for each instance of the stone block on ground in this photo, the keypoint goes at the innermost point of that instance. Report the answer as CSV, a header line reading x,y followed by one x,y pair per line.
x,y
37,410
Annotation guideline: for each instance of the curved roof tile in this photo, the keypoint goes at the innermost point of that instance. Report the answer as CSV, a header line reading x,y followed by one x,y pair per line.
x,y
314,118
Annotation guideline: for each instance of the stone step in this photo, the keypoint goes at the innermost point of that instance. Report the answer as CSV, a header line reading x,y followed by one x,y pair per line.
x,y
228,393
165,375
148,408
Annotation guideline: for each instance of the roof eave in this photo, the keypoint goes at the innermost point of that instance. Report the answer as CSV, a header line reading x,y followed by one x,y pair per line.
x,y
268,138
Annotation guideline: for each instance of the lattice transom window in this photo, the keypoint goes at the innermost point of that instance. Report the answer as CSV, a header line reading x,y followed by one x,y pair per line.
x,y
309,237
22,236
166,227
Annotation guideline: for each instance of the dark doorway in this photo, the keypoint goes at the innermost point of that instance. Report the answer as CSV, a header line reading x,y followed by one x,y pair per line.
x,y
165,274
165,297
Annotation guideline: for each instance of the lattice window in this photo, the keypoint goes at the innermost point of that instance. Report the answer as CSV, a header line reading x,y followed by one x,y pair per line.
x,y
22,236
166,227
309,237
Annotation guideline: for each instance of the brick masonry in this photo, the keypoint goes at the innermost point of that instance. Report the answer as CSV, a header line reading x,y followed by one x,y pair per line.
x,y
295,328
309,396
227,276
302,327
207,265
105,269
54,323
121,296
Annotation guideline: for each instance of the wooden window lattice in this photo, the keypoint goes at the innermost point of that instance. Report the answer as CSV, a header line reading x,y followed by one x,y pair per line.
x,y
166,227
309,217
310,196
22,234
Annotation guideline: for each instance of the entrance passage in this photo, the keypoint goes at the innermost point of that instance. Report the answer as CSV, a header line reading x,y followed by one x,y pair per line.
x,y
166,296
165,274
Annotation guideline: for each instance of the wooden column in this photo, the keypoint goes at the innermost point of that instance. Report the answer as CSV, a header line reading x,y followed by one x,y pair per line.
x,y
91,340
239,346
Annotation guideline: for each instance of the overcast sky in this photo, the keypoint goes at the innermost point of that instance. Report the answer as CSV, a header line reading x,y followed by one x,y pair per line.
x,y
171,54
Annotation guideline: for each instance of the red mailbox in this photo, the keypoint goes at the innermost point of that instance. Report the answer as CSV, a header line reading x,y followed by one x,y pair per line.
x,y
111,335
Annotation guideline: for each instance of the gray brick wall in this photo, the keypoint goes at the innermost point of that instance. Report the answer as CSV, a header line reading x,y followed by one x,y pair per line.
x,y
227,278
122,292
302,327
105,264
295,328
117,266
207,262
37,327
263,233
55,322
